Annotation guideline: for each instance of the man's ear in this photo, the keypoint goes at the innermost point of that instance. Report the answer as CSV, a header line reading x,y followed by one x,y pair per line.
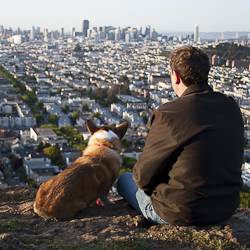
x,y
177,77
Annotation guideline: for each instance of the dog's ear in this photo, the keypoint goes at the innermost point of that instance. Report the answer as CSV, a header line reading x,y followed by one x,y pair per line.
x,y
121,129
92,128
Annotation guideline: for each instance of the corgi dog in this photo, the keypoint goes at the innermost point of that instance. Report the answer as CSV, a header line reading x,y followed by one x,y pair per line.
x,y
87,179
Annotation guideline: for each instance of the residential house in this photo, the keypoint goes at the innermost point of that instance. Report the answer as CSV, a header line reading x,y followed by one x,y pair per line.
x,y
5,109
63,120
39,168
137,106
60,141
20,149
40,133
7,137
118,108
24,134
70,154
133,118
83,131
131,152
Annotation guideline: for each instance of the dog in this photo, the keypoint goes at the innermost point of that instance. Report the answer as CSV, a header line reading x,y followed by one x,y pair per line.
x,y
87,179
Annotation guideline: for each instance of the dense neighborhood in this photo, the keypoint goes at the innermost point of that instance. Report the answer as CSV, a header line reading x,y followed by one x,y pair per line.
x,y
50,87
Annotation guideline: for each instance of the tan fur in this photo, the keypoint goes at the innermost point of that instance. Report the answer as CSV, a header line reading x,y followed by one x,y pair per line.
x,y
86,179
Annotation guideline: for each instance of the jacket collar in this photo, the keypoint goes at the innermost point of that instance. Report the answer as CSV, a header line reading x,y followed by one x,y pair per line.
x,y
194,88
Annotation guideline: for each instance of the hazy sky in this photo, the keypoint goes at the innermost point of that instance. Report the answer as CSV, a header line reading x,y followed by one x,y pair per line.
x,y
163,15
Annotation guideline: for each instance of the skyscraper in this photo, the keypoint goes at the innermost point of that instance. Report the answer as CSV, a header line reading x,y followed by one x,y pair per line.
x,y
72,32
61,32
32,33
85,27
147,31
196,33
96,38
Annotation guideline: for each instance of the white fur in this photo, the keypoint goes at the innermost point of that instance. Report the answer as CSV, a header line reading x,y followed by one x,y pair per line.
x,y
103,134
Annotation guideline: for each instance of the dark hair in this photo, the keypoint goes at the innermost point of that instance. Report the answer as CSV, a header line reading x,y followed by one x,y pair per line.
x,y
192,65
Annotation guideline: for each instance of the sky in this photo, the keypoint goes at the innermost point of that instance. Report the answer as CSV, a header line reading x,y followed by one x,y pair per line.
x,y
163,15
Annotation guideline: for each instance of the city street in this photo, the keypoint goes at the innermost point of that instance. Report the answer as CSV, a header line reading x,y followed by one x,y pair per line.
x,y
9,180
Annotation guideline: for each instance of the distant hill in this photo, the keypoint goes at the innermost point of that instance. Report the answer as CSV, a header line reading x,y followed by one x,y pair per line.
x,y
230,51
211,35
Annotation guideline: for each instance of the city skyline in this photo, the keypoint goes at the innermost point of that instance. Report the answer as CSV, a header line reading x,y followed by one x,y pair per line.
x,y
164,16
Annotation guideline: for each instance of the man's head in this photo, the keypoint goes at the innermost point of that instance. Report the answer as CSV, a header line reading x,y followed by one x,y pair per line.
x,y
191,64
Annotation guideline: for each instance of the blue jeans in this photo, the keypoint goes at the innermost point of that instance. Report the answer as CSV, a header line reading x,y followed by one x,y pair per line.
x,y
137,198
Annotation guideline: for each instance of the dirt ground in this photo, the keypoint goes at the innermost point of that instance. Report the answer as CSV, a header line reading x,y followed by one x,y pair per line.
x,y
111,227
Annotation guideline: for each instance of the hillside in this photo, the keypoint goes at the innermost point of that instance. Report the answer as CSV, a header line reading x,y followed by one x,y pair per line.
x,y
230,51
112,227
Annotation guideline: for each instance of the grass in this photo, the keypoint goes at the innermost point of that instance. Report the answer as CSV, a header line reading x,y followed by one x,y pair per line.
x,y
6,197
9,225
190,239
197,240
245,197
131,244
26,240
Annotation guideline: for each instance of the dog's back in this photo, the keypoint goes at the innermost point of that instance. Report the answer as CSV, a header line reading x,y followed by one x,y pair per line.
x,y
86,179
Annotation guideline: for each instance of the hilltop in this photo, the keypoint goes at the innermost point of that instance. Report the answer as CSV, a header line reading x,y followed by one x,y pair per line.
x,y
112,227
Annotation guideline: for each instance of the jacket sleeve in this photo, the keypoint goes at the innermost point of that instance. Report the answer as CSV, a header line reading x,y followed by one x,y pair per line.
x,y
153,161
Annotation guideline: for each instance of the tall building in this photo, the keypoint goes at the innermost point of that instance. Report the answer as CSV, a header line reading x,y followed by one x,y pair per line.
x,y
45,34
61,32
196,33
32,33
18,31
117,34
127,37
139,30
96,38
147,31
72,33
85,27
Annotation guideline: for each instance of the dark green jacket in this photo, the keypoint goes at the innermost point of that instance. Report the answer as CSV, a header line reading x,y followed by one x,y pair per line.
x,y
191,163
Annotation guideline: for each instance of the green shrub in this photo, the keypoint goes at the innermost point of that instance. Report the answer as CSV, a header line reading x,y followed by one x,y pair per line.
x,y
245,197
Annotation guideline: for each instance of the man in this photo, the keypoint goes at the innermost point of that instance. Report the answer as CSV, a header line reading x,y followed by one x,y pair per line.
x,y
190,170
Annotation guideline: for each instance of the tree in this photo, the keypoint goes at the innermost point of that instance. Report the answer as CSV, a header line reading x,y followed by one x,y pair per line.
x,y
124,78
111,98
101,94
138,142
75,115
39,118
53,153
85,107
124,89
127,164
97,115
126,143
77,48
65,108
26,99
39,104
15,162
144,117
29,98
53,119
40,147
113,90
